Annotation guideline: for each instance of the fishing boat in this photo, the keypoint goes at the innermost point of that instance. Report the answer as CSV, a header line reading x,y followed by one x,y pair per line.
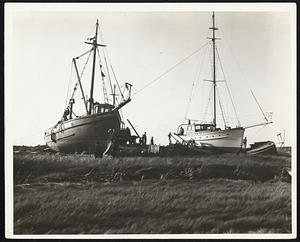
x,y
100,122
210,134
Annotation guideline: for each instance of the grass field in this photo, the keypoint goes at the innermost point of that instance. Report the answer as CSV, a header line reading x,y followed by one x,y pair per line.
x,y
72,194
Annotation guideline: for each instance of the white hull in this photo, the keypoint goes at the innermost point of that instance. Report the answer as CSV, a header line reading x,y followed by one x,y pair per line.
x,y
228,139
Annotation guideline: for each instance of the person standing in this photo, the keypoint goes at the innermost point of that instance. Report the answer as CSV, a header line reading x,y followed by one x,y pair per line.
x,y
169,136
245,142
152,141
144,138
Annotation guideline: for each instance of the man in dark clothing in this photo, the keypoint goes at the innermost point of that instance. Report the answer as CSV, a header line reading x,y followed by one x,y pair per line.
x,y
144,138
169,136
66,113
152,141
245,142
181,131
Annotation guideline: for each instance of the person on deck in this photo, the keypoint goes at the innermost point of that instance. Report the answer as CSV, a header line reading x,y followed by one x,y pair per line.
x,y
144,138
66,113
245,142
181,131
152,141
169,136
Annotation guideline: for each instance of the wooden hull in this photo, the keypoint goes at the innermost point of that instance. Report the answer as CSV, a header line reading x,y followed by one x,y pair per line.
x,y
84,134
229,140
263,148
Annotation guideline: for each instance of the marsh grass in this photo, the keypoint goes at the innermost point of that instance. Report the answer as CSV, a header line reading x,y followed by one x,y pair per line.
x,y
71,194
207,206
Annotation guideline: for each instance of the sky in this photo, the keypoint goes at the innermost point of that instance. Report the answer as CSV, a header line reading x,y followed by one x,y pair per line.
x,y
257,50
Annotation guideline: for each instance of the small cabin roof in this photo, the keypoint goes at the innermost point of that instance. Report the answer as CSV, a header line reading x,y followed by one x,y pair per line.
x,y
205,125
104,105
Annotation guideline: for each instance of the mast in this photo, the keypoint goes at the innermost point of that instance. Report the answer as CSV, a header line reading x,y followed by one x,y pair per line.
x,y
93,71
214,67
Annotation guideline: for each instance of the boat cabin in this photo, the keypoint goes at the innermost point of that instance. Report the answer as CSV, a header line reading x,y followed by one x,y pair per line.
x,y
201,127
191,128
102,108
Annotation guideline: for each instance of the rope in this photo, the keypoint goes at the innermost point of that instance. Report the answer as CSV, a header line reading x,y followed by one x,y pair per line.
x,y
83,69
259,105
101,37
83,54
102,78
170,69
69,84
244,78
207,105
221,108
114,75
228,89
196,80
111,88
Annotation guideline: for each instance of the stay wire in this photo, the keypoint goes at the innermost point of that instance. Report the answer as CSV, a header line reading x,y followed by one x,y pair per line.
x,y
107,55
228,89
102,77
170,69
69,84
201,60
221,108
244,78
115,77
207,105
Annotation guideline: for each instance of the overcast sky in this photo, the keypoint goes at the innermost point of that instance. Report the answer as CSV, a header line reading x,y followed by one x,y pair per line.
x,y
257,49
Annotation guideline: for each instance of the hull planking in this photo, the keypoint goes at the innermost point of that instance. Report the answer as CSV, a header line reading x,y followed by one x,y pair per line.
x,y
84,134
230,140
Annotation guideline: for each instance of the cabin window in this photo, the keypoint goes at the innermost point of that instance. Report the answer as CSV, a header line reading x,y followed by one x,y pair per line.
x,y
198,127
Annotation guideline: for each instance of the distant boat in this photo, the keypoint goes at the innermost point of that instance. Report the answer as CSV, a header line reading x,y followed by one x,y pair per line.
x,y
260,148
91,131
205,133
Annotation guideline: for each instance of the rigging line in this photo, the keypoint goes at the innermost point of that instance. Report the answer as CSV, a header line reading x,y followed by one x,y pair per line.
x,y
116,81
102,78
228,89
83,54
207,105
114,75
105,59
192,89
69,84
197,78
259,106
243,75
221,108
111,88
170,69
75,88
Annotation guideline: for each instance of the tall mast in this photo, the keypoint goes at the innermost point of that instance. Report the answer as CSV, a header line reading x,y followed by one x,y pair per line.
x,y
214,67
93,71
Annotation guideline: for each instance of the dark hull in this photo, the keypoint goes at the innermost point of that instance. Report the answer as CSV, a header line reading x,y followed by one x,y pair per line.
x,y
87,134
263,148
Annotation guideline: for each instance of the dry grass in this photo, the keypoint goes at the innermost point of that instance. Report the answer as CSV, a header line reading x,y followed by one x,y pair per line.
x,y
208,206
73,194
